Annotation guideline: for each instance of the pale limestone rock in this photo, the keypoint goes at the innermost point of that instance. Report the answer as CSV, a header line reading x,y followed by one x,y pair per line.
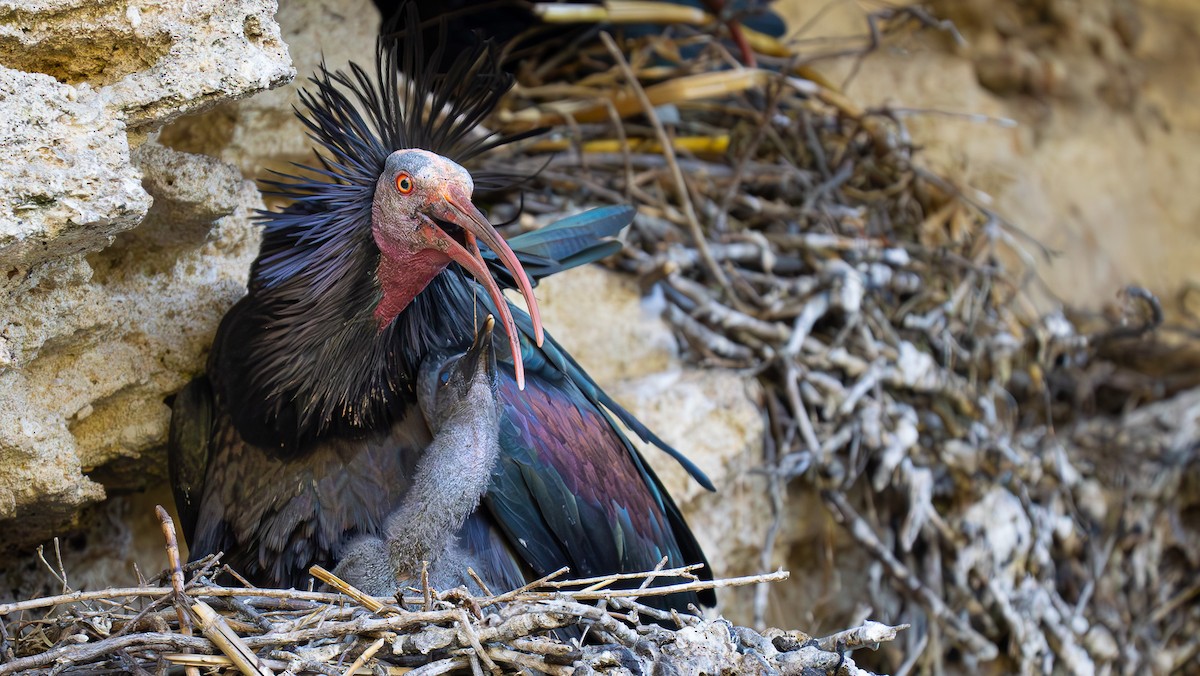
x,y
40,484
599,318
169,291
67,183
152,60
103,339
99,323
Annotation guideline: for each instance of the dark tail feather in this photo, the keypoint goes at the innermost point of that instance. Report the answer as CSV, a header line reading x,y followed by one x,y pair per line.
x,y
187,451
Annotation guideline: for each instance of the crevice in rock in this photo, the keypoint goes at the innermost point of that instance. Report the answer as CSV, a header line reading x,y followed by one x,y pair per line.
x,y
98,57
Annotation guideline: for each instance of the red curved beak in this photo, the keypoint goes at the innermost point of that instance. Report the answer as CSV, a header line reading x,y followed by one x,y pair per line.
x,y
458,209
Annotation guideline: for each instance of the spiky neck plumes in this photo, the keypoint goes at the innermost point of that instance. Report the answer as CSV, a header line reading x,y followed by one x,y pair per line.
x,y
305,354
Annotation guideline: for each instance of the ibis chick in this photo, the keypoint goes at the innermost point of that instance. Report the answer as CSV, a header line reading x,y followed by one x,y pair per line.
x,y
459,402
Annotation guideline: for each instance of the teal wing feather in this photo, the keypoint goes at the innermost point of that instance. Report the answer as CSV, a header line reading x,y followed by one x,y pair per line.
x,y
564,244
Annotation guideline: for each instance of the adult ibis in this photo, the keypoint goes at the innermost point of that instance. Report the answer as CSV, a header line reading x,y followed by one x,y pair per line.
x,y
306,430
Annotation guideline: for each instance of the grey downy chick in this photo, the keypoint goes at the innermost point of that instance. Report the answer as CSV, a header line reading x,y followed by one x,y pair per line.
x,y
457,394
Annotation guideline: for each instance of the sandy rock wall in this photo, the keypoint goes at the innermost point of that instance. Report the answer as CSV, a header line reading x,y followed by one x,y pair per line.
x,y
117,255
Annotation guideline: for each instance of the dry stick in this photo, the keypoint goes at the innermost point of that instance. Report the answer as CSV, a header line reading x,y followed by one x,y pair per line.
x,y
425,591
129,662
606,580
188,567
535,662
239,606
366,655
62,570
176,576
363,624
739,167
335,597
657,591
685,198
619,125
867,634
368,624
524,588
650,578
219,661
727,318
861,531
479,581
703,337
468,632
198,660
83,653
75,597
440,667
618,603
1184,596
241,580
541,646
217,631
365,600
150,607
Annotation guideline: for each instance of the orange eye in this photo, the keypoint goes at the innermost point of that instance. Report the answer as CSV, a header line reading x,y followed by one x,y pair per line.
x,y
404,183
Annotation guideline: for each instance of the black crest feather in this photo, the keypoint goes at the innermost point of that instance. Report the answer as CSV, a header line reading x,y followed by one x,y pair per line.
x,y
301,355
357,120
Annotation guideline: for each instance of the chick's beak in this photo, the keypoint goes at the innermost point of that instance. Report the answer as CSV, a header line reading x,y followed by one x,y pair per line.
x,y
456,207
481,353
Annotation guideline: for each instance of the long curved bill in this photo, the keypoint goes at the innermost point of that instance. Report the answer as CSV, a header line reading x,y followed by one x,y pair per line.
x,y
459,210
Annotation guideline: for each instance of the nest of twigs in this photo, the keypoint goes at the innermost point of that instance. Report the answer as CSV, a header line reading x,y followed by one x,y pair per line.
x,y
538,628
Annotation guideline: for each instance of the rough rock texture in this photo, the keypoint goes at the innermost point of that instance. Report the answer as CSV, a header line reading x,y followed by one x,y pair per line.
x,y
99,340
69,186
100,322
152,61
